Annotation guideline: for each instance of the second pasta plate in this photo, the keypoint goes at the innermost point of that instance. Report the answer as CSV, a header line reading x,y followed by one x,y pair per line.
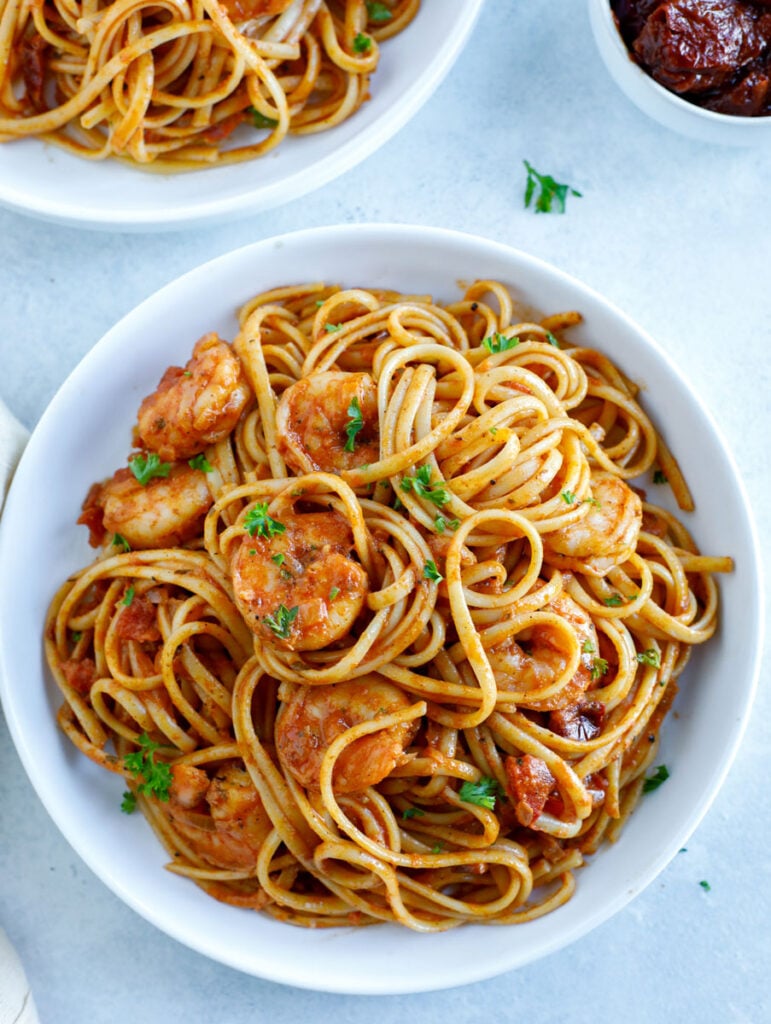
x,y
44,181
84,435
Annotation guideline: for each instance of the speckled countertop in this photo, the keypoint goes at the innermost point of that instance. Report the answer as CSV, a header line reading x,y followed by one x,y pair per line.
x,y
677,234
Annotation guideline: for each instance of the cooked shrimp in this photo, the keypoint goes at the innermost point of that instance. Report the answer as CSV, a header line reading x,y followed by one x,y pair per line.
x,y
315,715
314,422
538,657
165,512
194,407
300,589
223,818
605,537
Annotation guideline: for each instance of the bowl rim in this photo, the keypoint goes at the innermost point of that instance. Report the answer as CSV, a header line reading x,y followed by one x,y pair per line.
x,y
210,210
622,64
456,974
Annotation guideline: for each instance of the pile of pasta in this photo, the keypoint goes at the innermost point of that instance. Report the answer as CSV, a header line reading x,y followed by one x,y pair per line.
x,y
165,84
378,630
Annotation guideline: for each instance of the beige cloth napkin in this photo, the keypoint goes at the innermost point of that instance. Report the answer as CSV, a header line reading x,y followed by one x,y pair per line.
x,y
13,437
16,1003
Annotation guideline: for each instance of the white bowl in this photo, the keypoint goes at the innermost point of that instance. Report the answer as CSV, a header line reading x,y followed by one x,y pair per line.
x,y
659,103
42,180
83,436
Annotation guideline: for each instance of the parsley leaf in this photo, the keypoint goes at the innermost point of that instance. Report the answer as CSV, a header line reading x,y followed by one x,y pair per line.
x,y
599,668
120,542
281,620
354,425
660,477
200,462
430,572
129,802
551,191
361,43
331,328
145,468
568,497
260,120
482,793
499,343
588,647
613,601
378,11
552,340
258,522
76,637
705,886
421,485
334,591
412,812
278,559
129,596
654,781
156,775
443,524
649,657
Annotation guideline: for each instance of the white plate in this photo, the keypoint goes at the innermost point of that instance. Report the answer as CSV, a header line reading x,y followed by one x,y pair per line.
x,y
85,434
40,179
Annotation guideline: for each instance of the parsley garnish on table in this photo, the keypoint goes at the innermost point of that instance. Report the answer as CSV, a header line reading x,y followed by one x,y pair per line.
x,y
552,195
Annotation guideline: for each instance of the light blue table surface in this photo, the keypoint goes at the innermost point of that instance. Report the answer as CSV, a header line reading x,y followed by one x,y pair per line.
x,y
677,234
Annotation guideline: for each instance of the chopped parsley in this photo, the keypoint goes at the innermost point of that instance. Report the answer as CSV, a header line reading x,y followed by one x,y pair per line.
x,y
442,524
378,11
145,468
660,775
333,593
129,802
129,596
437,848
499,343
278,559
551,191
76,637
354,425
705,886
331,328
260,120
430,572
660,477
649,657
568,497
482,793
599,667
552,340
588,647
412,812
120,541
613,601
361,43
258,523
200,462
156,775
421,485
281,620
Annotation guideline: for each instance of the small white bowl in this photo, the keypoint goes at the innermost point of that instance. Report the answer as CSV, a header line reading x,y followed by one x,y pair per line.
x,y
83,436
659,103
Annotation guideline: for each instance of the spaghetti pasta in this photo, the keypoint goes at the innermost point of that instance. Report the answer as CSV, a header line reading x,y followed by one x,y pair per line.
x,y
407,656
168,84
